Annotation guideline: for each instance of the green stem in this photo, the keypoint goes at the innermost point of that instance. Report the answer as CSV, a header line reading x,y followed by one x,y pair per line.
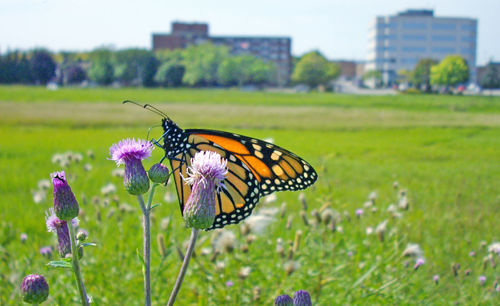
x,y
147,250
76,266
185,263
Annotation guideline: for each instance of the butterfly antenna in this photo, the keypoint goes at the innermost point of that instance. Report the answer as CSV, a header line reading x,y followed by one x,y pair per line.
x,y
152,108
148,107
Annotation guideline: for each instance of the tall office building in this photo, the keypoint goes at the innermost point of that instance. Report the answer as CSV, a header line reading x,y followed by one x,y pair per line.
x,y
276,49
399,42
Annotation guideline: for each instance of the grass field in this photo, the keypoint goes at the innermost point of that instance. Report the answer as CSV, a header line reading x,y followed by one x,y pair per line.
x,y
443,150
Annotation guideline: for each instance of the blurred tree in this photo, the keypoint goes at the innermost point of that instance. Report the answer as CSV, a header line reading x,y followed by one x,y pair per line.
x,y
405,76
171,70
135,66
75,74
490,79
101,72
202,62
313,69
170,74
421,76
9,67
23,71
101,69
244,69
43,66
452,70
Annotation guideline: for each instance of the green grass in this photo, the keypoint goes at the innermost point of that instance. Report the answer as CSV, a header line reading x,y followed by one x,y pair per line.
x,y
443,150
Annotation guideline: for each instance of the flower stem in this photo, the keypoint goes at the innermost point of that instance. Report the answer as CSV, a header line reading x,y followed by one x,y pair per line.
x,y
76,266
147,250
185,263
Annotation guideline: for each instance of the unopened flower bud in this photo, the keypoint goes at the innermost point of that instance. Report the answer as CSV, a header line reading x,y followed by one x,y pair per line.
x,y
82,235
158,173
283,300
34,289
65,204
302,298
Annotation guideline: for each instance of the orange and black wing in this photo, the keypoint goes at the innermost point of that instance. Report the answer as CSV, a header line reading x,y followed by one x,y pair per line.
x,y
233,203
255,168
275,168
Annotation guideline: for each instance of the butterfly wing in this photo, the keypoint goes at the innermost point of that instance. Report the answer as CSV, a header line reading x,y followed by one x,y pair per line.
x,y
255,168
275,168
233,203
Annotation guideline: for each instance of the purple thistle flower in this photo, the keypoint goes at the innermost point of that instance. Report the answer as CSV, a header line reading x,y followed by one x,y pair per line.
x,y
359,212
482,279
302,298
472,253
60,227
418,263
65,204
229,284
435,278
206,175
24,237
34,289
130,152
46,251
158,173
283,300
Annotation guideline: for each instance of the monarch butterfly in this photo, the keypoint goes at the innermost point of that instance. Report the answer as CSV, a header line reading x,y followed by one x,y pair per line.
x,y
256,168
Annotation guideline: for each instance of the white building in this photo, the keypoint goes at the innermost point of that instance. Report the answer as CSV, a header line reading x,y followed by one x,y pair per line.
x,y
399,42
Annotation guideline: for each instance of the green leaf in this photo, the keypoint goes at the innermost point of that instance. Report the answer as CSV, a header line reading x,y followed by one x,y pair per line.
x,y
88,244
141,259
154,205
60,264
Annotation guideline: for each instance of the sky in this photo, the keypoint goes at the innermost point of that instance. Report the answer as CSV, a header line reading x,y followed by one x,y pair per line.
x,y
337,28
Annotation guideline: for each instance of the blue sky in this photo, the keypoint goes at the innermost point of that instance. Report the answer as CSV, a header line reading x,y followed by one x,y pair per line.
x,y
338,28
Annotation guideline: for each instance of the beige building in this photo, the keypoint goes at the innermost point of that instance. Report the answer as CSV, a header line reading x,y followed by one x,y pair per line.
x,y
398,42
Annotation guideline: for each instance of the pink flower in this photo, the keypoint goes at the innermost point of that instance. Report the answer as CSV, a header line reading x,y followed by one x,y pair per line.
x,y
206,175
131,152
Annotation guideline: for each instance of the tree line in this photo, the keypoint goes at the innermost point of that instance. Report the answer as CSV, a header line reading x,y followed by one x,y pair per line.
x,y
198,65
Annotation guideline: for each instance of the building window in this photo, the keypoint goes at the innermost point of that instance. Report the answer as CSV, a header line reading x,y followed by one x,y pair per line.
x,y
413,49
446,50
414,37
467,50
409,61
468,27
442,38
384,49
414,26
444,26
468,39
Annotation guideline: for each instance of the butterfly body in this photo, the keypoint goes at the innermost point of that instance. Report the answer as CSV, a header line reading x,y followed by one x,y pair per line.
x,y
255,168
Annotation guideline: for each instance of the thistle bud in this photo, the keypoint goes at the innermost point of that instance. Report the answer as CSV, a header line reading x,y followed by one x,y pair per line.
x,y
283,300
65,204
302,298
82,235
131,152
158,173
206,175
34,289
